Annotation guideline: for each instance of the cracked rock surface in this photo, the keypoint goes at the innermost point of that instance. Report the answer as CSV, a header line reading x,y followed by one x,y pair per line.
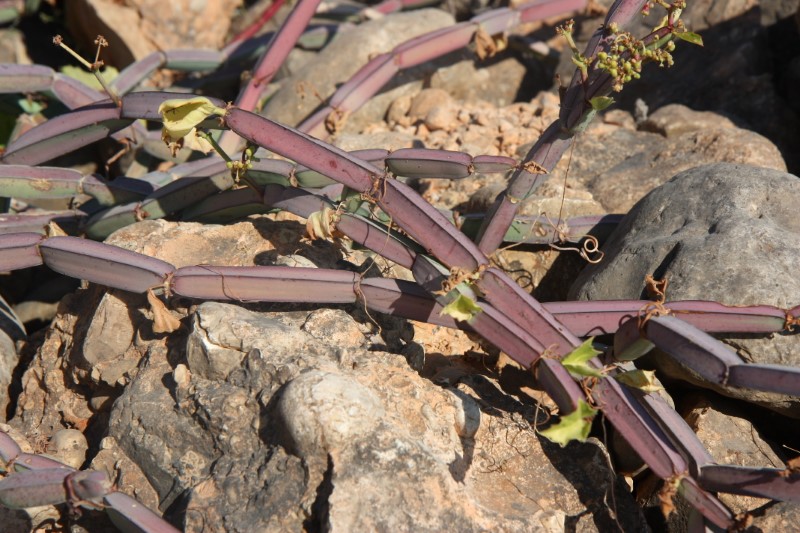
x,y
257,418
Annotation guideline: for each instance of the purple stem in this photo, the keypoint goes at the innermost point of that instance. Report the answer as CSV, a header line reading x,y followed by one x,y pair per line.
x,y
557,138
277,50
64,134
372,77
19,250
770,483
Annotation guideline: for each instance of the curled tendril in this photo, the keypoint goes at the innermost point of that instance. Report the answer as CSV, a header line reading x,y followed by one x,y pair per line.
x,y
589,245
657,289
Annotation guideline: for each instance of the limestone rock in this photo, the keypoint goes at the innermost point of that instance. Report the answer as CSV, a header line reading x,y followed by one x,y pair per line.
x,y
619,166
127,475
498,81
136,28
673,120
343,56
109,336
69,446
308,430
719,232
733,440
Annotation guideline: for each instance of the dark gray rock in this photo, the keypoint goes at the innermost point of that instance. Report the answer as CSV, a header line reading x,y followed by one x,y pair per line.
x,y
719,232
174,450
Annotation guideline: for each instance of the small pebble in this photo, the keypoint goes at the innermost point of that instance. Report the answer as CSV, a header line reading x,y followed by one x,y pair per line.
x,y
69,446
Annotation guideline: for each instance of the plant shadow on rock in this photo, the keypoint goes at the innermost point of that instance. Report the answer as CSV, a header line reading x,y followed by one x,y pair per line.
x,y
585,466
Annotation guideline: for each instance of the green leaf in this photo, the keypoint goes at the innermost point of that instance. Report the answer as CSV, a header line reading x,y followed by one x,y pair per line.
x,y
181,115
599,103
88,78
574,426
462,308
31,107
690,37
577,361
640,379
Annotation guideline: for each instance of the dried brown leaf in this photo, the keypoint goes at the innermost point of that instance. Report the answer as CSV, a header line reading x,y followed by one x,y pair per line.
x,y
163,320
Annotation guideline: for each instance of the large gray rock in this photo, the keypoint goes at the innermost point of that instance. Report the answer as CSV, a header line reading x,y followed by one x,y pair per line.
x,y
719,232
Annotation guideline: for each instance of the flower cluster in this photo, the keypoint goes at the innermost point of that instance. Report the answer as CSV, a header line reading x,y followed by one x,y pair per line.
x,y
626,55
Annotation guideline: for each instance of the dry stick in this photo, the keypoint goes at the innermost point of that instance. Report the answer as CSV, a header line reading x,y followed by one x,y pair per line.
x,y
94,68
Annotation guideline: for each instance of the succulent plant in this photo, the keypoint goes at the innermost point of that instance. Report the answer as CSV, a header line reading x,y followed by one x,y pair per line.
x,y
357,196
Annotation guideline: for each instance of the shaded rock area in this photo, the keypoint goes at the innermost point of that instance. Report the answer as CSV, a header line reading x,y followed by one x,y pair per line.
x,y
742,71
723,232
724,427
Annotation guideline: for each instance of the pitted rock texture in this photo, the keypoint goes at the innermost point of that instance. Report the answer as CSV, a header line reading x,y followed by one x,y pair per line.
x,y
719,232
350,439
136,28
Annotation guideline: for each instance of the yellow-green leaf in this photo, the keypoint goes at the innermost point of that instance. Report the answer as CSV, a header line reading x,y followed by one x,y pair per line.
x,y
88,78
181,115
577,361
690,37
462,308
574,426
640,379
600,103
